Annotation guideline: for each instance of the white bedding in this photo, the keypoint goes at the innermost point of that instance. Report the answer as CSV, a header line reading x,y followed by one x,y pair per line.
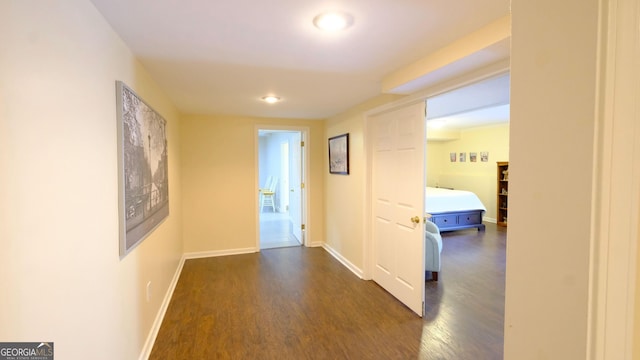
x,y
439,200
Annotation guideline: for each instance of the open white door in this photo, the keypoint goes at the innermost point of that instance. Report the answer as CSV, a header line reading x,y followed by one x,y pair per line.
x,y
295,185
398,161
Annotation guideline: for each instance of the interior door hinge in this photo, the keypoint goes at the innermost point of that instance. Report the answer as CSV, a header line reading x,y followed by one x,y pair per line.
x,y
302,143
302,226
302,186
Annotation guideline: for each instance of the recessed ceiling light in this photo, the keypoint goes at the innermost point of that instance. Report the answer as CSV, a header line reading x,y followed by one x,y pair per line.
x,y
333,21
270,99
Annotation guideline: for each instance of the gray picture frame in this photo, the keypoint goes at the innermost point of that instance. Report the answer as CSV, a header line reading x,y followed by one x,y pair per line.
x,y
143,169
339,154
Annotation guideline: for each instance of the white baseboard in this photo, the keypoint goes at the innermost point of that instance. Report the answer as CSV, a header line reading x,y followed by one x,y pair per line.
x,y
206,254
489,220
354,269
155,328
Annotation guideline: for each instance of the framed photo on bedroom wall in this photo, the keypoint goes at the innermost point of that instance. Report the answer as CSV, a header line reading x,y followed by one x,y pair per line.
x,y
339,154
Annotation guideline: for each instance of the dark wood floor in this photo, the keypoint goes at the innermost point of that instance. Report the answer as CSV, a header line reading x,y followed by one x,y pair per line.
x,y
300,303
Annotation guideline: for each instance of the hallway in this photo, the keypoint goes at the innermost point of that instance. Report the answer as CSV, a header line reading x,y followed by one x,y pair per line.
x,y
255,306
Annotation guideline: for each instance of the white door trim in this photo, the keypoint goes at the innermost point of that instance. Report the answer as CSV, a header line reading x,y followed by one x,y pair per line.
x,y
616,191
306,179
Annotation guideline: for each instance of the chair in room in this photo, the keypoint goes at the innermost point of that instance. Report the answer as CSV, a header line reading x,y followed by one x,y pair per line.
x,y
268,194
266,187
432,249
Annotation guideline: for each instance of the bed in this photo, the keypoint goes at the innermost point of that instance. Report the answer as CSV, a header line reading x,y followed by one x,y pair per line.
x,y
454,209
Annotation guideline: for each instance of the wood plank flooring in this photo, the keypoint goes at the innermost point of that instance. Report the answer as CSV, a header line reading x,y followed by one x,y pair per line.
x,y
464,309
300,303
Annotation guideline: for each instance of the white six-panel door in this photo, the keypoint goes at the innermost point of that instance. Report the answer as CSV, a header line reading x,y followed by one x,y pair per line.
x,y
398,162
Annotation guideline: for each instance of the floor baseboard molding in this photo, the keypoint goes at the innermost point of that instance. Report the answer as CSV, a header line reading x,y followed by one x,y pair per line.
x,y
489,220
215,253
354,269
155,328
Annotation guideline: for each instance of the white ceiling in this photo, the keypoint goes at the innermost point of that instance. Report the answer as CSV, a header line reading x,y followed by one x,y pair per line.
x,y
479,104
474,118
220,57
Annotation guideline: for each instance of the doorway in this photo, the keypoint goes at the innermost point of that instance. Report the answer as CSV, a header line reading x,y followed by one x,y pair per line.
x,y
280,197
383,128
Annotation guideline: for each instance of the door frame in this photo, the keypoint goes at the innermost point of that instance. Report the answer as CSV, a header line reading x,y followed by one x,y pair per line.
x,y
497,69
613,320
306,179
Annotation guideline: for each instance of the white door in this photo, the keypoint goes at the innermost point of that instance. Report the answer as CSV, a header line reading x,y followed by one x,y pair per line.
x,y
295,185
398,162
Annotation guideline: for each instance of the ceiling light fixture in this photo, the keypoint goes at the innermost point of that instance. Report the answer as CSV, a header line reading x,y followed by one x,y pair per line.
x,y
270,99
333,21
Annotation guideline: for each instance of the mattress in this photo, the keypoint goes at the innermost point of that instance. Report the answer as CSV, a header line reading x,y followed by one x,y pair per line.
x,y
438,200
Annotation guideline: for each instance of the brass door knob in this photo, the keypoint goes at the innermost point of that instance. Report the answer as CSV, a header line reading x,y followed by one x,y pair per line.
x,y
415,220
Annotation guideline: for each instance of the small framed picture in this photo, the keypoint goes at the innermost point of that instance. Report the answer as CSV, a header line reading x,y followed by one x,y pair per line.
x,y
473,157
484,156
463,157
339,154
452,157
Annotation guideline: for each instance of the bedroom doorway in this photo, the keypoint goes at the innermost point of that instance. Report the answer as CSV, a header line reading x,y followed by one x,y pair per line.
x,y
448,153
467,133
280,195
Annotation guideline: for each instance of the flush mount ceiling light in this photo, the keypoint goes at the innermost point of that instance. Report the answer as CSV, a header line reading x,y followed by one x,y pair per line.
x,y
333,21
270,99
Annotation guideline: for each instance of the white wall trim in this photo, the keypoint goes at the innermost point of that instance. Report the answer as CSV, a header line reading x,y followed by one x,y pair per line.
x,y
616,191
349,265
215,253
489,220
155,328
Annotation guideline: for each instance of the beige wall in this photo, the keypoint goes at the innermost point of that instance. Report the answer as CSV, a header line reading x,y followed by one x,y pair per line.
x,y
553,87
219,180
62,278
479,177
344,194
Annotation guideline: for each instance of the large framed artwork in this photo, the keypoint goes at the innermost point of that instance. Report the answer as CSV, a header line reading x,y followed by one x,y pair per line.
x,y
143,171
339,154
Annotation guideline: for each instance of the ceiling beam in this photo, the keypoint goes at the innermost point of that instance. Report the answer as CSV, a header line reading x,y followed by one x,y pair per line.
x,y
480,48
